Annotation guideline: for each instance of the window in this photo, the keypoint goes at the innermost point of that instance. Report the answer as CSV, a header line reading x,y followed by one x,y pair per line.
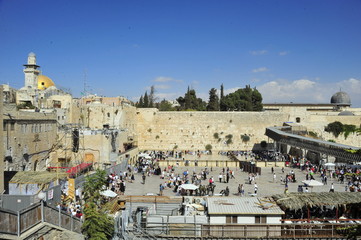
x,y
298,120
4,126
12,126
260,219
231,219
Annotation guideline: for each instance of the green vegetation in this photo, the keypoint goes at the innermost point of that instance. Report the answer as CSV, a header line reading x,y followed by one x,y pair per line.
x,y
331,140
191,102
229,139
149,130
245,138
147,101
337,128
208,147
358,151
164,105
97,224
216,135
244,99
25,105
312,134
213,103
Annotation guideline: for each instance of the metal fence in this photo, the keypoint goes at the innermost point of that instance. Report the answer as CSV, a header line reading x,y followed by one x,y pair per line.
x,y
244,231
18,222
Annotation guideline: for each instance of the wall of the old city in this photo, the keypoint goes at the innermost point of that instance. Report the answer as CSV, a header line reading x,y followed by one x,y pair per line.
x,y
194,130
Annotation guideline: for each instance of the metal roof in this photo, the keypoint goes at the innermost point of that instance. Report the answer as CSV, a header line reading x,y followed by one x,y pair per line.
x,y
241,206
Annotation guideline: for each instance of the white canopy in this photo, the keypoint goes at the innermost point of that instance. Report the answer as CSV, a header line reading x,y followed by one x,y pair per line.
x,y
189,186
312,183
108,193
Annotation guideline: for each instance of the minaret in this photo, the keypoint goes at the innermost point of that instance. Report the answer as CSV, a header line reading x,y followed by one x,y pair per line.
x,y
31,72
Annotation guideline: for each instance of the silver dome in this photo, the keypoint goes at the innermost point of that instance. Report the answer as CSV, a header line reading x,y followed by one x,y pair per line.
x,y
341,99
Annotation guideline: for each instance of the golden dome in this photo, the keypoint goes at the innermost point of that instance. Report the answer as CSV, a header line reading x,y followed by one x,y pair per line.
x,y
44,82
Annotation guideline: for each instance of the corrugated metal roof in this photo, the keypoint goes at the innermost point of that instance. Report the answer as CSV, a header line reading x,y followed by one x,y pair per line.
x,y
242,206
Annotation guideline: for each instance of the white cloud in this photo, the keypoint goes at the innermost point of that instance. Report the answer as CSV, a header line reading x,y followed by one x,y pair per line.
x,y
261,69
166,79
258,52
161,86
284,53
309,91
167,96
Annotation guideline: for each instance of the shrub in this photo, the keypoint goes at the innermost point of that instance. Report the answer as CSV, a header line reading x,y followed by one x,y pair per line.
x,y
208,147
245,138
335,128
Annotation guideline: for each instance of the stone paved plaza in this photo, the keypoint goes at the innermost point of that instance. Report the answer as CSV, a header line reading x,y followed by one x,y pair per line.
x,y
266,186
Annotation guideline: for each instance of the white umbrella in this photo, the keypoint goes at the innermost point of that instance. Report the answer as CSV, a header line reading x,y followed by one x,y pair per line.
x,y
188,186
330,164
312,183
108,193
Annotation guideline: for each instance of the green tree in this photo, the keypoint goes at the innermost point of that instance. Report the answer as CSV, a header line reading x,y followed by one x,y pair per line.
x,y
222,91
152,97
164,105
244,99
213,103
140,103
146,100
97,224
191,102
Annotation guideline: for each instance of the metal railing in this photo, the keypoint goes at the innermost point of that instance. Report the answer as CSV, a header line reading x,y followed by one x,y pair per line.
x,y
244,231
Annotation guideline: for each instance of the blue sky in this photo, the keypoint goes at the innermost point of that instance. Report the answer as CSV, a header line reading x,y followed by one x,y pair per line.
x,y
292,51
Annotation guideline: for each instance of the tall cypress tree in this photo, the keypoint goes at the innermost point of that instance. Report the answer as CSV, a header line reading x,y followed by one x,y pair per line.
x,y
213,103
146,100
140,103
151,96
222,91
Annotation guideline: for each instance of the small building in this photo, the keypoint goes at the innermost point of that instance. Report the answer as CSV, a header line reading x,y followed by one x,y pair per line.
x,y
243,210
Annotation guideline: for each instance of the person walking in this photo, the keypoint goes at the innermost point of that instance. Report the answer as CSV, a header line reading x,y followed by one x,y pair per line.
x,y
143,178
220,177
255,188
161,188
274,177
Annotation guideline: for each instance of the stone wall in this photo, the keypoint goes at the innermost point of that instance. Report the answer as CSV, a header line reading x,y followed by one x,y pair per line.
x,y
194,130
28,138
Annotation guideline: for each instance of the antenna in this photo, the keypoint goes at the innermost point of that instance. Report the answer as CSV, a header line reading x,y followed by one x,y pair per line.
x,y
84,90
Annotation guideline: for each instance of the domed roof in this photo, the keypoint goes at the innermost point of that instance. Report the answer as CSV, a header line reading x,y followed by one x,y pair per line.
x,y
44,82
341,98
346,113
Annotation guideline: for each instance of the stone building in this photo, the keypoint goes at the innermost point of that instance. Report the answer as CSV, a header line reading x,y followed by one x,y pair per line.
x,y
28,138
